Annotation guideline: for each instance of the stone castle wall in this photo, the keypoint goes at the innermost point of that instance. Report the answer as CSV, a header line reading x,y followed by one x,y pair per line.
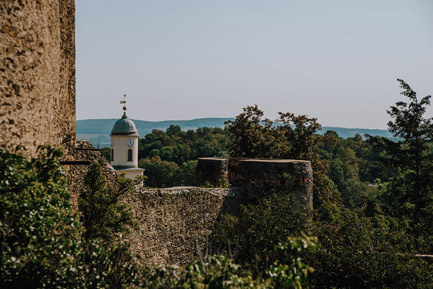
x,y
260,177
37,73
174,223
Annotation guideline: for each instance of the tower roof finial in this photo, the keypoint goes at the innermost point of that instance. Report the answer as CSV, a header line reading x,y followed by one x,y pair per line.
x,y
124,103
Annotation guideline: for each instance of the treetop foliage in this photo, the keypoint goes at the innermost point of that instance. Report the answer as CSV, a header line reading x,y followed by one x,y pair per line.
x,y
414,133
289,136
409,123
170,158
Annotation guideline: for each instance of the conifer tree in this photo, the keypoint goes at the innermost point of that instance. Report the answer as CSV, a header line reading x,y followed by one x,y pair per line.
x,y
102,214
409,194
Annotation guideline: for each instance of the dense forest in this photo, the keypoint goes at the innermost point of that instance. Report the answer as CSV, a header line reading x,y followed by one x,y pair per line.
x,y
370,227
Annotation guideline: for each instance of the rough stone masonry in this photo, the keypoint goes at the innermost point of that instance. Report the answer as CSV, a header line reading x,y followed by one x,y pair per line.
x,y
260,177
37,73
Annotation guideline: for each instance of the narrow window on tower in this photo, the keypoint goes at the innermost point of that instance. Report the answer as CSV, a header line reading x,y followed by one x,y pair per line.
x,y
112,155
130,155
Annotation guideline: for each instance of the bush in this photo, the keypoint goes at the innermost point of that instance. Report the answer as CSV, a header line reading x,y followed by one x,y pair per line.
x,y
251,236
39,236
219,272
160,173
41,244
360,251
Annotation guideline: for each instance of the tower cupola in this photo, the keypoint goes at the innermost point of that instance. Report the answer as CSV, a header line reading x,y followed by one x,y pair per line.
x,y
124,126
124,146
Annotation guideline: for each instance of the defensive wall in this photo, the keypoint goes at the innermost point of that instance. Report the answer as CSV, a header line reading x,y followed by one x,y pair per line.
x,y
174,224
37,73
260,177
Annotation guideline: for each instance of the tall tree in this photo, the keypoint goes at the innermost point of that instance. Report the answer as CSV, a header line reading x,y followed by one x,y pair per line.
x,y
102,214
290,137
409,193
252,134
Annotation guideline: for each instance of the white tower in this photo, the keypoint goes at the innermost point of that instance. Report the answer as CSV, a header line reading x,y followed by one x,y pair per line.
x,y
124,146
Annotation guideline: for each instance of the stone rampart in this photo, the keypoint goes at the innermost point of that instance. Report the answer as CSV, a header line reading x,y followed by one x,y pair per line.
x,y
37,73
260,177
174,223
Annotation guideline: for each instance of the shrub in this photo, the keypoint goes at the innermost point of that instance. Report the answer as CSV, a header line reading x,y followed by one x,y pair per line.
x,y
39,235
219,272
41,243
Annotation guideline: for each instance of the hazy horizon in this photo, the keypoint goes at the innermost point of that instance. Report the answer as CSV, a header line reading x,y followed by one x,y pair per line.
x,y
175,120
179,60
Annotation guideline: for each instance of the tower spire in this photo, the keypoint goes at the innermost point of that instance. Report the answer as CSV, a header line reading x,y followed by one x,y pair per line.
x,y
124,103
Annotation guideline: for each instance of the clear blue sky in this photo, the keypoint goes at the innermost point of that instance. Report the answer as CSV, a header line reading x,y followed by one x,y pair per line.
x,y
336,60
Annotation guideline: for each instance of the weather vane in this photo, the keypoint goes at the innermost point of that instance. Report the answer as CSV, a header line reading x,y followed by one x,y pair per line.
x,y
124,102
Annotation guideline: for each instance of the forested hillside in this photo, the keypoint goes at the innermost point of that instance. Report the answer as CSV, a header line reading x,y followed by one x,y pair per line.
x,y
97,131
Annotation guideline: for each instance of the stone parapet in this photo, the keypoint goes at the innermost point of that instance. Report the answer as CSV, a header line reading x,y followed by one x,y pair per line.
x,y
260,177
174,223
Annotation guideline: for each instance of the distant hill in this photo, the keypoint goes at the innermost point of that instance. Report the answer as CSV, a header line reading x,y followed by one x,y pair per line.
x,y
97,131
104,126
351,132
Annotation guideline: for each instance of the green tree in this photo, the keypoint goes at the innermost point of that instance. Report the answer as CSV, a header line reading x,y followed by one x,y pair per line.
x,y
160,173
295,137
174,130
291,137
41,242
102,214
188,173
360,251
344,166
38,233
251,236
409,194
106,153
252,135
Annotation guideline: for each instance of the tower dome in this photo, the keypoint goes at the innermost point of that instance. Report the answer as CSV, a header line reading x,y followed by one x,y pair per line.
x,y
124,126
124,146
